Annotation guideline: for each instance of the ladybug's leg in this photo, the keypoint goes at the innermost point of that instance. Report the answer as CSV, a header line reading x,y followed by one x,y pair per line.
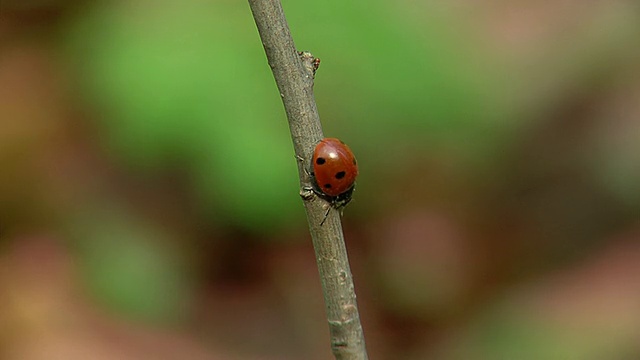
x,y
326,215
307,193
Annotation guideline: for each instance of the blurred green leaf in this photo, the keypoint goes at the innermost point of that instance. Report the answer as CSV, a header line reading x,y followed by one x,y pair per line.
x,y
130,266
174,86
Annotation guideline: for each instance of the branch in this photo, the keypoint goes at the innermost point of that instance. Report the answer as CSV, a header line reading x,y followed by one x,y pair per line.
x,y
294,75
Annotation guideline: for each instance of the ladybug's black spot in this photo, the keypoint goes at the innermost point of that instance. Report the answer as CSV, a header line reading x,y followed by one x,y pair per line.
x,y
340,174
327,186
320,161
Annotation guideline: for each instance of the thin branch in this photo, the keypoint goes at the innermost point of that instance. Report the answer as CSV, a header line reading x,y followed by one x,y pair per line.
x,y
294,75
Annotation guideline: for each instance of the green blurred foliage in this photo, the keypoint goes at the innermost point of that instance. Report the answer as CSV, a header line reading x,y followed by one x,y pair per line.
x,y
187,83
518,330
131,267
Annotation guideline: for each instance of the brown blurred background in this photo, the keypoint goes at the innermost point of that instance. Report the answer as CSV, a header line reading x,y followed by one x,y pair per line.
x,y
148,192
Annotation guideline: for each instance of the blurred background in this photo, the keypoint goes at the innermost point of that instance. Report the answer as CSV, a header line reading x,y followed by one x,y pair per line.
x,y
149,202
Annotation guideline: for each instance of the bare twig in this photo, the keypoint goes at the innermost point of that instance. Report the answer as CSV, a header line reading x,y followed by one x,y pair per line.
x,y
294,75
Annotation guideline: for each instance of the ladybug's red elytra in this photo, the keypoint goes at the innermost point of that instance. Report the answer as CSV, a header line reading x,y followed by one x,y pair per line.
x,y
334,171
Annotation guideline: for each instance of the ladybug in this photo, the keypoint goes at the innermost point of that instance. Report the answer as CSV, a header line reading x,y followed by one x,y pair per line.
x,y
334,172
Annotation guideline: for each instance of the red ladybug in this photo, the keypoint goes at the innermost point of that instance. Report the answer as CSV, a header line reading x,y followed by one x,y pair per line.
x,y
334,171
